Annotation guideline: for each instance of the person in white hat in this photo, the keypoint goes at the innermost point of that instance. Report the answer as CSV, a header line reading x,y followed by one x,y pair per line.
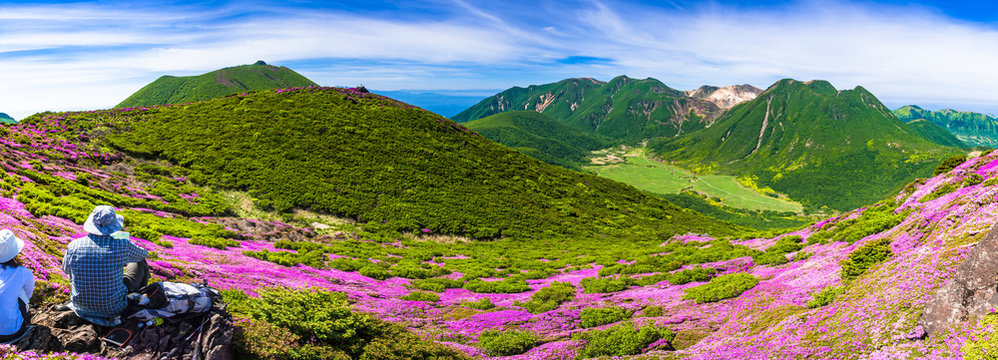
x,y
96,266
16,285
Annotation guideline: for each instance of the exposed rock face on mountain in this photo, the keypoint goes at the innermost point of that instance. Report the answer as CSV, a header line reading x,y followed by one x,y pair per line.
x,y
726,97
622,109
972,292
64,331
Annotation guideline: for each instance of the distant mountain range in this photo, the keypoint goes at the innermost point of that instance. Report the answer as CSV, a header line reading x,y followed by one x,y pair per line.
x,y
819,145
973,129
621,110
444,102
935,133
539,136
178,90
6,119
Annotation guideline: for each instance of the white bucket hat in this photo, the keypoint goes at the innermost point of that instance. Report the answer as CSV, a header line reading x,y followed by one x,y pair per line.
x,y
103,221
10,245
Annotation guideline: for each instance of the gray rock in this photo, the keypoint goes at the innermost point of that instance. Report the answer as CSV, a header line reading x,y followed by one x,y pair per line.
x,y
973,291
64,331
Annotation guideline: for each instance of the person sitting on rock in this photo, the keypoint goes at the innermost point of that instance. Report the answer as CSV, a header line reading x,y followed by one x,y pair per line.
x,y
16,285
103,268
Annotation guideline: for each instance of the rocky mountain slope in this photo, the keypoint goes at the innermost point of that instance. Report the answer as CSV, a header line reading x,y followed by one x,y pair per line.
x,y
183,89
819,145
725,97
856,286
973,129
623,110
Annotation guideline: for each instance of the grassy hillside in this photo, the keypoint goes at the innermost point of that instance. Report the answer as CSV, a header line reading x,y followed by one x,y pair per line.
x,y
539,136
369,158
818,145
624,110
973,129
179,90
935,133
6,119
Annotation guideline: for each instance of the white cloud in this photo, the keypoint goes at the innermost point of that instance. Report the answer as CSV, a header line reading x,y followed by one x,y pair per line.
x,y
902,55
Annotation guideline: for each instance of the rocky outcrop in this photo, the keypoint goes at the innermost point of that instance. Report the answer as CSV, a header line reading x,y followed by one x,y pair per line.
x,y
64,331
973,291
725,97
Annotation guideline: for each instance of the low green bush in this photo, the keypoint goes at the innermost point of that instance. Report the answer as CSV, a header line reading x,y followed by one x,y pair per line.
x,y
620,340
213,242
596,285
437,284
375,271
865,257
592,317
507,342
777,253
652,311
481,304
549,298
300,324
721,287
507,286
949,164
824,297
421,296
692,275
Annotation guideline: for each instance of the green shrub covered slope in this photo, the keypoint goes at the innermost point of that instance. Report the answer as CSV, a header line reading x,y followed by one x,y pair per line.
x,y
935,133
179,90
539,136
384,163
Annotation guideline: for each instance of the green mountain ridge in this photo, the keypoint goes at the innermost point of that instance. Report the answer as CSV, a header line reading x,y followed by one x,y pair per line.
x,y
623,110
538,136
6,119
384,163
935,133
818,145
973,129
177,90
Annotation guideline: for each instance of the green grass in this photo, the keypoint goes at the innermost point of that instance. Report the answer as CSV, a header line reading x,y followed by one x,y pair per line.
x,y
660,178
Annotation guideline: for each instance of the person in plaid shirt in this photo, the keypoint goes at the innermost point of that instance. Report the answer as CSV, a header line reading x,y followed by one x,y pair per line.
x,y
96,266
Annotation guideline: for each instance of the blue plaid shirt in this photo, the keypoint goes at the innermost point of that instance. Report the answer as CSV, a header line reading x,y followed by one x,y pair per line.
x,y
95,266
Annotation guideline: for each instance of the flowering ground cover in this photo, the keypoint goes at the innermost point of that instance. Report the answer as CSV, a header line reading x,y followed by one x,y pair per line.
x,y
685,296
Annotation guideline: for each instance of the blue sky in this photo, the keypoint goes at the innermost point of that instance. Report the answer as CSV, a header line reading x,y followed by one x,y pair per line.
x,y
72,56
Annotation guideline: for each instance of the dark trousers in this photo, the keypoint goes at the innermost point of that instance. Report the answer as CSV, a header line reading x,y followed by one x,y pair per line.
x,y
24,324
136,275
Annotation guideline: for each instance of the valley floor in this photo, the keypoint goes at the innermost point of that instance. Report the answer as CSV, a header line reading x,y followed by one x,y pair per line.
x,y
633,167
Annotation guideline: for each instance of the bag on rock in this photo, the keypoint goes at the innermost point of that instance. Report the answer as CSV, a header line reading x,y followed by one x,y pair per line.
x,y
168,299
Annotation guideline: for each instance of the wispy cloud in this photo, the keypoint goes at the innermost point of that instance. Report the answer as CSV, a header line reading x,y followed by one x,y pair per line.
x,y
86,56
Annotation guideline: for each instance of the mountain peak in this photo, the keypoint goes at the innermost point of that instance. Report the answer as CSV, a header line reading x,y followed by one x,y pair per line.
x,y
6,119
243,78
725,97
623,109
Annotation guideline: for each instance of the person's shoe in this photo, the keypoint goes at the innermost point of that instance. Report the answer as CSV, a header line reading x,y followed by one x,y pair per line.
x,y
64,306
